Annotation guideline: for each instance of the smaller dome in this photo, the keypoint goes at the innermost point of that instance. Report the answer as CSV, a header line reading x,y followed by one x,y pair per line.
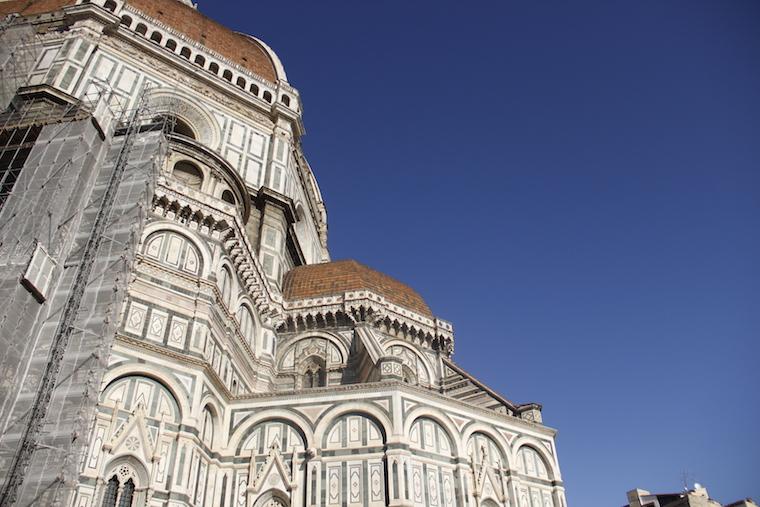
x,y
334,278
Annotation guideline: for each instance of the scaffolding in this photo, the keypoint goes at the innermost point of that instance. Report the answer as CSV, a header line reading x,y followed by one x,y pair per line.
x,y
122,192
20,47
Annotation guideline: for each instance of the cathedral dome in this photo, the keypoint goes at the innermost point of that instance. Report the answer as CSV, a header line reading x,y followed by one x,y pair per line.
x,y
244,50
332,278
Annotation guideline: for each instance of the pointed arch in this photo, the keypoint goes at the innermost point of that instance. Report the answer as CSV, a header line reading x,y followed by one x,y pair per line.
x,y
125,475
226,283
247,323
208,426
272,498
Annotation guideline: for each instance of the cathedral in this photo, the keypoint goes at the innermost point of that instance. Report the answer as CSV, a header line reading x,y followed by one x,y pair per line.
x,y
174,331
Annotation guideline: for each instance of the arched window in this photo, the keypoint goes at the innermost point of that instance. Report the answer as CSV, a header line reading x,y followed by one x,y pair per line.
x,y
141,29
109,497
314,373
254,89
180,127
156,37
227,75
185,52
119,494
241,82
199,60
174,250
188,174
267,96
207,427
228,197
225,285
171,44
110,5
126,21
127,493
285,100
213,67
247,327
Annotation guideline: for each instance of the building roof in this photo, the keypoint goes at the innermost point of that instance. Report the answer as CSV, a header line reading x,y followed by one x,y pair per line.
x,y
239,48
333,278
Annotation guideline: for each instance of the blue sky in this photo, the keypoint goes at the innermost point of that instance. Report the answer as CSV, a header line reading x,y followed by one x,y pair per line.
x,y
576,186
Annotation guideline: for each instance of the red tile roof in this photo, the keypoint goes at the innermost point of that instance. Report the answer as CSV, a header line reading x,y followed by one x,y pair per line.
x,y
234,46
333,278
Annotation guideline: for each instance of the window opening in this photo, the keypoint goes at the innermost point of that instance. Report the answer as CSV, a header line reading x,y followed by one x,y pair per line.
x,y
109,498
127,494
189,174
15,146
228,197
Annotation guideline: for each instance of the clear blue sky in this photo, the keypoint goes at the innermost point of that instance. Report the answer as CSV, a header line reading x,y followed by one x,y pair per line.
x,y
576,186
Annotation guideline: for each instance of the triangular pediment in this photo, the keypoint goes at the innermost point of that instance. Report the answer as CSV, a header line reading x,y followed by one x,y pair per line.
x,y
272,474
133,437
489,487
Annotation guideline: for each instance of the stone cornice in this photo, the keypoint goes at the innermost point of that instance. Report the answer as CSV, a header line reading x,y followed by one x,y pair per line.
x,y
422,329
388,387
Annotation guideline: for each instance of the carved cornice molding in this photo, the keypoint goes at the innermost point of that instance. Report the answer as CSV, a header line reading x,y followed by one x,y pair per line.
x,y
368,306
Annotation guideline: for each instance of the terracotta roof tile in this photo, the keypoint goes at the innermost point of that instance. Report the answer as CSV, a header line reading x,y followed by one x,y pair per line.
x,y
333,278
234,46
